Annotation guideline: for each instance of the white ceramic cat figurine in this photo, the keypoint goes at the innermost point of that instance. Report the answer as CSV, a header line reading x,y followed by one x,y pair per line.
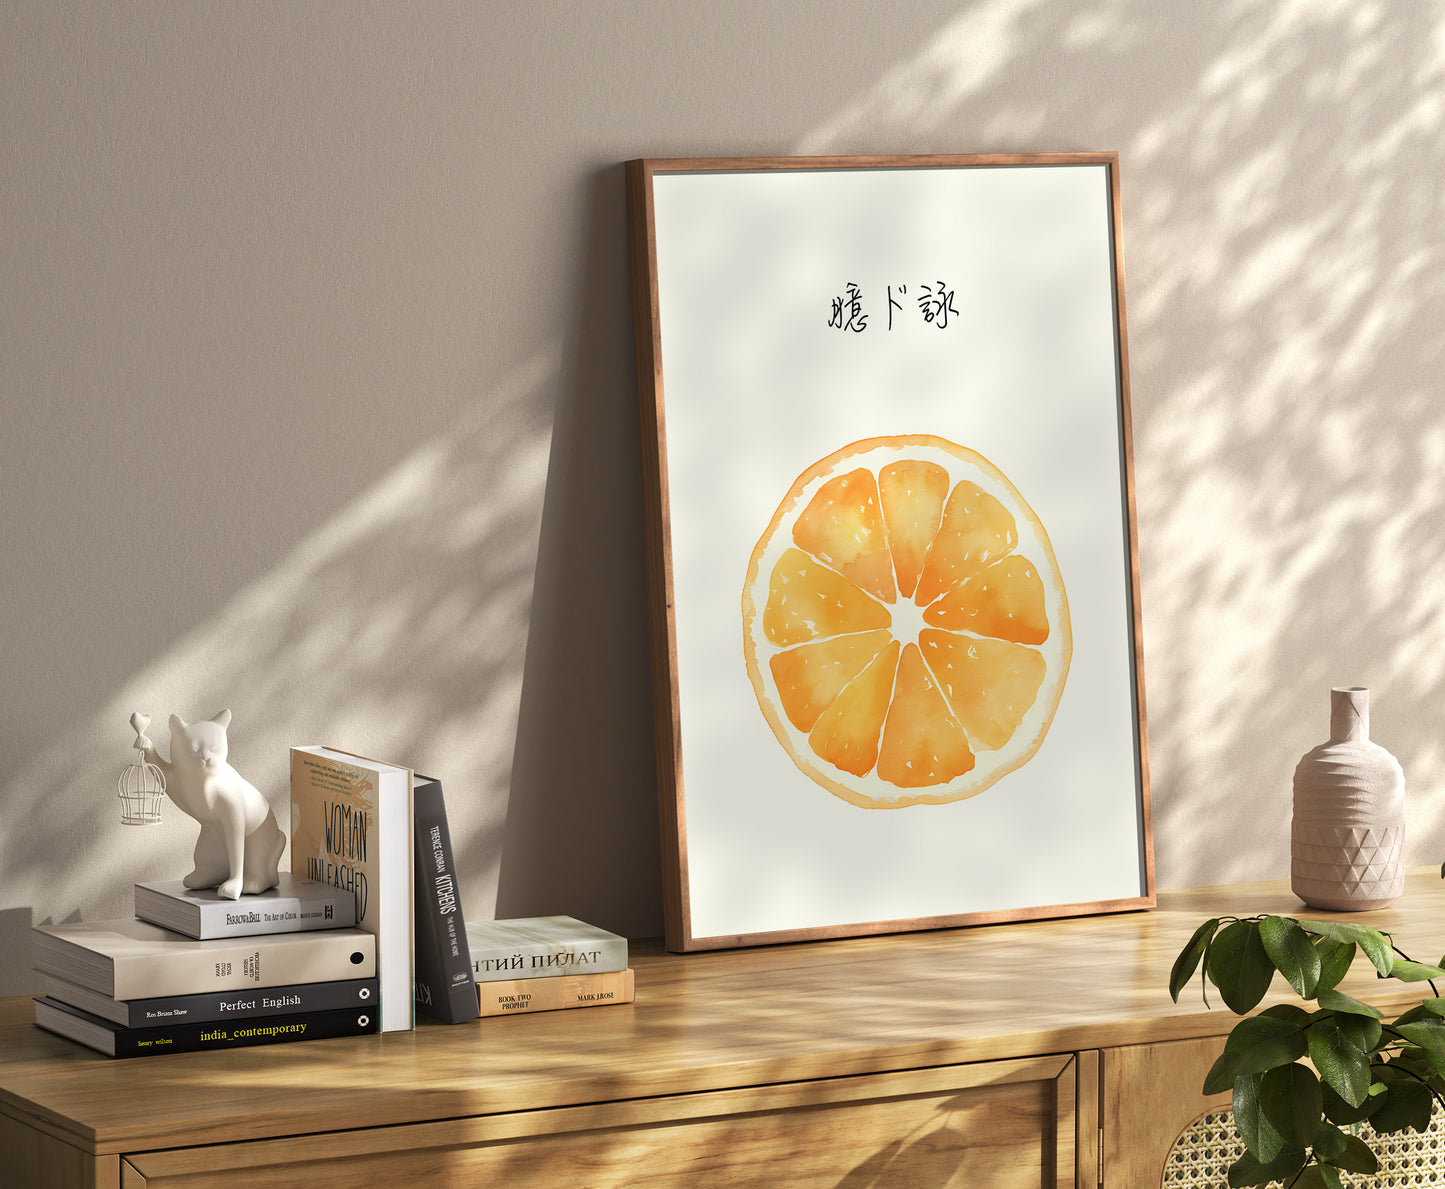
x,y
240,844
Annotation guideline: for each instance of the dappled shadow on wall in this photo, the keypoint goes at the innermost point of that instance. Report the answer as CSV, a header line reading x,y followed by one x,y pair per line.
x,y
581,833
395,630
1286,286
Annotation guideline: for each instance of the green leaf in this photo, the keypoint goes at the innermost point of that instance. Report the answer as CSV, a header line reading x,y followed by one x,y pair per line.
x,y
1329,1143
1238,965
1256,1044
1364,1032
1290,1098
1414,972
1249,1171
1428,1034
1375,944
1405,1103
1293,954
1337,1110
1259,1135
1341,1063
1317,1176
1335,959
1292,1012
1412,1062
1339,1001
1356,1157
1188,961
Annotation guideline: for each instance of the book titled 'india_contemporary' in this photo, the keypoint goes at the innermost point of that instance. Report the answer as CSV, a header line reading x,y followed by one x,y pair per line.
x,y
116,1041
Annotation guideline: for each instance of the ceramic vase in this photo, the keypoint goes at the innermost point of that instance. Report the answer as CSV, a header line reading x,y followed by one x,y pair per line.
x,y
1347,844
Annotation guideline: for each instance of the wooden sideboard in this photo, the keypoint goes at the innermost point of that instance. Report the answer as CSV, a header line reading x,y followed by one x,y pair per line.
x,y
1036,1054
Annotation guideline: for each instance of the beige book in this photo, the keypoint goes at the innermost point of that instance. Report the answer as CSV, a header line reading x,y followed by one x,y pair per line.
x,y
507,997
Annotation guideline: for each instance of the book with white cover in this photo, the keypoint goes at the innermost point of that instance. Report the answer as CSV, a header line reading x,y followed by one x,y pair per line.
x,y
130,959
351,828
295,905
542,947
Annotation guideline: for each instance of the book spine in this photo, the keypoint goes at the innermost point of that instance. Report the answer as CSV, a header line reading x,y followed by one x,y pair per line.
x,y
443,960
186,1038
234,1005
353,830
242,964
515,996
243,1033
550,961
290,914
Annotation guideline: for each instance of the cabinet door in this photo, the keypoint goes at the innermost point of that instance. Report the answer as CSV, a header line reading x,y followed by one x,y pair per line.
x,y
1151,1093
1004,1124
1157,1124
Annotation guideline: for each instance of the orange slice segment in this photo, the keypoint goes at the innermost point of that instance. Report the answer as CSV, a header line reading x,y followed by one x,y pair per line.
x,y
923,744
932,700
843,526
989,684
811,676
912,495
1004,600
807,601
846,734
976,529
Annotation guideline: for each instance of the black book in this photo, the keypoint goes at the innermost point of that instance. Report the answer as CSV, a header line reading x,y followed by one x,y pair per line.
x,y
115,1041
444,985
216,1005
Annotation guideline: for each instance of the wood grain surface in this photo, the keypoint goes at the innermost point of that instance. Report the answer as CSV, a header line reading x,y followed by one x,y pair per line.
x,y
702,1023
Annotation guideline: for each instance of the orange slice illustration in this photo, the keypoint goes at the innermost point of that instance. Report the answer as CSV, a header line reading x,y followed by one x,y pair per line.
x,y
905,625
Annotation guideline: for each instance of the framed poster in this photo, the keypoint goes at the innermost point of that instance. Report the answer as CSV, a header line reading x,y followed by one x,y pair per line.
x,y
892,562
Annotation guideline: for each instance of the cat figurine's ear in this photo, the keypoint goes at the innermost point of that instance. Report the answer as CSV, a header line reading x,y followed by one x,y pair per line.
x,y
178,723
222,719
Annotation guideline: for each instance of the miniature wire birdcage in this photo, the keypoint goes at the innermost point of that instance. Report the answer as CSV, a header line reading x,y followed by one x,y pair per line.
x,y
141,786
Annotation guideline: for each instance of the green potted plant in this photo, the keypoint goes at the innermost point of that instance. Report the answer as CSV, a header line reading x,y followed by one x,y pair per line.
x,y
1300,1122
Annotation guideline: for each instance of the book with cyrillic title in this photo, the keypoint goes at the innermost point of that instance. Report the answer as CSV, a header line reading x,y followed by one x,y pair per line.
x,y
130,959
509,997
542,947
351,827
115,1041
216,1005
294,905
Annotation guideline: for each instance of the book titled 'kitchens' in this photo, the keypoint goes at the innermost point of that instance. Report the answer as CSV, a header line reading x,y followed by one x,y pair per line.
x,y
351,828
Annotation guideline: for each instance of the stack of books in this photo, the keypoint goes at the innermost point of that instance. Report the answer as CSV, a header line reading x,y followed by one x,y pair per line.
x,y
546,963
196,971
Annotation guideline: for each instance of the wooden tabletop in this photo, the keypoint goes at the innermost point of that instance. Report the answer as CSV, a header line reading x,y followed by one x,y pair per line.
x,y
703,1021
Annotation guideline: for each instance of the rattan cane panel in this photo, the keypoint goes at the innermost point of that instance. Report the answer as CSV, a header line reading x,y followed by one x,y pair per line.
x,y
1201,1157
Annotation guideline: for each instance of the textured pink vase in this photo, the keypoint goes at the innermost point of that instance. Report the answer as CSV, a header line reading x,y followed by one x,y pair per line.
x,y
1347,845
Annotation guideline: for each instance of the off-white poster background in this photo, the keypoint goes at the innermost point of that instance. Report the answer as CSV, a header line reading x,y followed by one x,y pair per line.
x,y
758,387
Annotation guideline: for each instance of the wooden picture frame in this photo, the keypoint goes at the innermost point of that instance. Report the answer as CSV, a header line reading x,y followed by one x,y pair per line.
x,y
891,544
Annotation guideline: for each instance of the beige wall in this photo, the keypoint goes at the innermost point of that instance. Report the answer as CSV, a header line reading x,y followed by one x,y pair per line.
x,y
317,391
